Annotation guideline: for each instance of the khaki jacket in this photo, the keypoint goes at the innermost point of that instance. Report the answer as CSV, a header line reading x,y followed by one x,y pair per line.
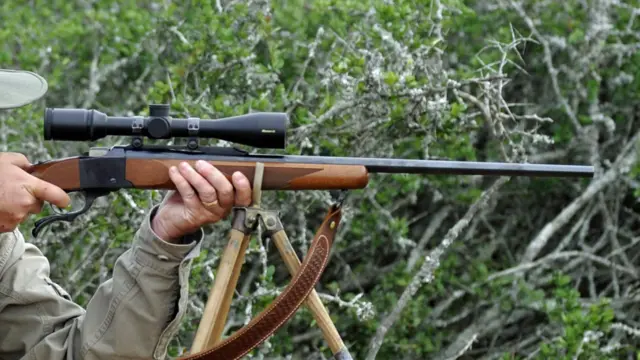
x,y
134,315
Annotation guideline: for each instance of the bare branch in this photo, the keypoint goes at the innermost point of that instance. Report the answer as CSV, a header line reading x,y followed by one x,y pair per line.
x,y
430,265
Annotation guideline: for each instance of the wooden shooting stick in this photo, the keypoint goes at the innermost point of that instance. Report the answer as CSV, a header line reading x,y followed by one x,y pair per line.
x,y
245,221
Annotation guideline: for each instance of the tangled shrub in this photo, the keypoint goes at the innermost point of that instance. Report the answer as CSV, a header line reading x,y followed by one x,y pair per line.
x,y
434,267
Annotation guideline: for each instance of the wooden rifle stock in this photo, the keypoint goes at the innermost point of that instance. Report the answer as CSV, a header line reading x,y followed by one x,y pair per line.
x,y
140,173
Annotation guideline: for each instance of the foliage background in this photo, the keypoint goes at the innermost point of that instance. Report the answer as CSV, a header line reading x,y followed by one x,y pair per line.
x,y
531,268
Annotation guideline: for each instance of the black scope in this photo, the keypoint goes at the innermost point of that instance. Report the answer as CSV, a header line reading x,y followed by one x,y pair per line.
x,y
262,130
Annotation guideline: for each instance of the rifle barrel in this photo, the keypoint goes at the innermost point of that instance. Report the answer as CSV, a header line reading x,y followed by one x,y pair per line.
x,y
382,165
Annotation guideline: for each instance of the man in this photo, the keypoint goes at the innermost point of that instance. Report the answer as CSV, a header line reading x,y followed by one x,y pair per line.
x,y
131,316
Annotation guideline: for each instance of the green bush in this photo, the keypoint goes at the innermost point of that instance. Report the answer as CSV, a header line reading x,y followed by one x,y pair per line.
x,y
545,82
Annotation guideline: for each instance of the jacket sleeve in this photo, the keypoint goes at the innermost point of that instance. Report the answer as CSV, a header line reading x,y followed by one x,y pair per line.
x,y
133,315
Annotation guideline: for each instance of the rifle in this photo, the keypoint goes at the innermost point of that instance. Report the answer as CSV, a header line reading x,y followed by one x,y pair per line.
x,y
139,166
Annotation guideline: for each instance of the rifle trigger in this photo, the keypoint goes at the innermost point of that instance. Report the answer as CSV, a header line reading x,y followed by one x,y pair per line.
x,y
89,198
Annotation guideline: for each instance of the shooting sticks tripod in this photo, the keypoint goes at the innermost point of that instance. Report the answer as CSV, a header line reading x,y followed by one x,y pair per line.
x,y
207,343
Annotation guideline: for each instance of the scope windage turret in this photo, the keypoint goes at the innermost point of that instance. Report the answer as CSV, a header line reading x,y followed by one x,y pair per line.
x,y
262,130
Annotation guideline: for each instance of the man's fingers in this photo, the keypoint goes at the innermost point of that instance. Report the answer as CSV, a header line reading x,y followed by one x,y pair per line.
x,y
205,191
223,187
50,193
243,189
16,159
182,185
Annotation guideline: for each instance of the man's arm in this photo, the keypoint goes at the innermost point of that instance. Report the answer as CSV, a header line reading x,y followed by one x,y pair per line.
x,y
133,315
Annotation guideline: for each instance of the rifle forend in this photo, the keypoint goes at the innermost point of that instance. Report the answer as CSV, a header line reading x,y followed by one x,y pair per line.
x,y
261,130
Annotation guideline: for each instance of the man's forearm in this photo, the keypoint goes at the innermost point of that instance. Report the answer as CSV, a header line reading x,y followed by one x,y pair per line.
x,y
133,315
147,295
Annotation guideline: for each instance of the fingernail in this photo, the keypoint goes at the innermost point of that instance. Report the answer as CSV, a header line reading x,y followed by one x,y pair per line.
x,y
237,176
185,166
200,164
173,169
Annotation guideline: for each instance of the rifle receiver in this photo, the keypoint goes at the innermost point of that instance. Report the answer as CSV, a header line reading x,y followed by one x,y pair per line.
x,y
261,130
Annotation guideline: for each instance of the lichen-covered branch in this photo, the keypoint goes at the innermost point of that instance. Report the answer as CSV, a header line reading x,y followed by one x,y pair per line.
x,y
426,273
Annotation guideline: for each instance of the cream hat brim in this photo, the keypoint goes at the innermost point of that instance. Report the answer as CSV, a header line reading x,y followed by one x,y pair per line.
x,y
19,88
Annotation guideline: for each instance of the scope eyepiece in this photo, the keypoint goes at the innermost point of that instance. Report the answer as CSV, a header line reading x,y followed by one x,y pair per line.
x,y
262,130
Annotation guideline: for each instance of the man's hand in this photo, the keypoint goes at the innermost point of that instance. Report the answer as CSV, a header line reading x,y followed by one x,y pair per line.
x,y
203,196
22,194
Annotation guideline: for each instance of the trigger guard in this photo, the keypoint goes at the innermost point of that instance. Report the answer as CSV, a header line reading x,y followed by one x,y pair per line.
x,y
59,211
89,198
56,209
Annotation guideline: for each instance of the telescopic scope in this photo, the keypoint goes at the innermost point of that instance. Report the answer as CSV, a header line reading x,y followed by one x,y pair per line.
x,y
261,130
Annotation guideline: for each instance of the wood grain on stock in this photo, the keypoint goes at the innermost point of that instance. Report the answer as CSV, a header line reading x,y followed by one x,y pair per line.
x,y
277,176
64,173
154,174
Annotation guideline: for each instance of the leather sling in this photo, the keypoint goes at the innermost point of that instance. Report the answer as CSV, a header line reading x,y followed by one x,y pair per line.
x,y
286,304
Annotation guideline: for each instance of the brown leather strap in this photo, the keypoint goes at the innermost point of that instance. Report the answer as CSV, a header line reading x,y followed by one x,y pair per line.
x,y
285,305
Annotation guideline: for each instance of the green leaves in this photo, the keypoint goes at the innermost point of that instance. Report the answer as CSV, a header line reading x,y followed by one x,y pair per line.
x,y
358,78
578,322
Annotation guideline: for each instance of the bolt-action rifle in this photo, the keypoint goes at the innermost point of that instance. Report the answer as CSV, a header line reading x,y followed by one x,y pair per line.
x,y
140,166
